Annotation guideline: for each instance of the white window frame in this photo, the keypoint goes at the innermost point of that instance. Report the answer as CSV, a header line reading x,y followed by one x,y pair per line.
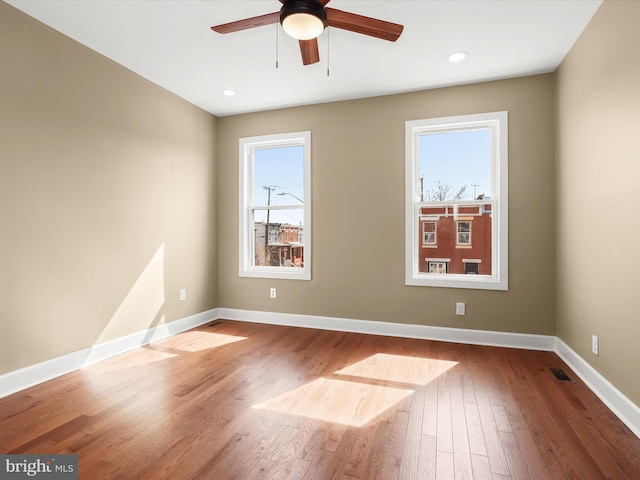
x,y
497,123
246,207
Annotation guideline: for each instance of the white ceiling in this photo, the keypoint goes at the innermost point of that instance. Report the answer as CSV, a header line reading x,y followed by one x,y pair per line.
x,y
171,44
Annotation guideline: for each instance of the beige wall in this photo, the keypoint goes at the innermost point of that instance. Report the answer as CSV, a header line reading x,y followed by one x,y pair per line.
x,y
598,191
107,198
358,210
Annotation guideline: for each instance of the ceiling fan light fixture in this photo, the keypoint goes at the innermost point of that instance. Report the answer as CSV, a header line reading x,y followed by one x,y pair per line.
x,y
303,19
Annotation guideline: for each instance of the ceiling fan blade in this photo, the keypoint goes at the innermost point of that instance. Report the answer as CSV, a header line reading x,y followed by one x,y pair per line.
x,y
309,51
247,23
365,25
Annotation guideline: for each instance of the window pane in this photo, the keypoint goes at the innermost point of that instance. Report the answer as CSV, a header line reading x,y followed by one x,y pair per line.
x,y
285,245
278,176
455,165
464,226
278,179
437,267
471,268
429,238
463,238
457,240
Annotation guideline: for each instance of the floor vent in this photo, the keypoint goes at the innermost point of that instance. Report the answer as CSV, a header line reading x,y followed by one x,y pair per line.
x,y
214,324
560,375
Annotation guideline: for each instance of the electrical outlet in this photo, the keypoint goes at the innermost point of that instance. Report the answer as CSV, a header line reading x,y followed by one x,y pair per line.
x,y
594,344
273,293
183,294
460,308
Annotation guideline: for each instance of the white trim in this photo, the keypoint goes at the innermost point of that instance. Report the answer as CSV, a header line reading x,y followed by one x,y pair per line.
x,y
41,372
627,411
403,330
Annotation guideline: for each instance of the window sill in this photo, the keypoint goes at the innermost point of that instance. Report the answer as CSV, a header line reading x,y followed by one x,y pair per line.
x,y
452,280
285,273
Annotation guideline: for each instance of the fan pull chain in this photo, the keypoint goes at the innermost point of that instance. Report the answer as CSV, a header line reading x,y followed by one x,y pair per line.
x,y
327,51
277,36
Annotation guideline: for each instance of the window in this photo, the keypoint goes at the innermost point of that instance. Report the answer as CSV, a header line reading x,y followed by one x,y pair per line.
x,y
438,267
456,186
275,206
429,233
471,267
464,233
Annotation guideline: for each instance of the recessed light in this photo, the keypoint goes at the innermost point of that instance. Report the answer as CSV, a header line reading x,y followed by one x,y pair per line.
x,y
228,92
457,57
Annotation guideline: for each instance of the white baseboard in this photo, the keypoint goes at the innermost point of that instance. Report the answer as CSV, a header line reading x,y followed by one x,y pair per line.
x,y
627,411
620,405
41,372
404,330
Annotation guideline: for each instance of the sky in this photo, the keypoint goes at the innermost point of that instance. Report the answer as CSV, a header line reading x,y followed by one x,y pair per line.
x,y
281,168
457,158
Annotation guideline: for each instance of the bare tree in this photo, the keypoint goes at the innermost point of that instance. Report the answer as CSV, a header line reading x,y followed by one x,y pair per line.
x,y
442,191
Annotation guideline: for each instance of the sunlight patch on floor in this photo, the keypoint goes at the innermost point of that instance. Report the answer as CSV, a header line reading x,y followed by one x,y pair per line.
x,y
195,341
337,401
398,368
135,358
355,403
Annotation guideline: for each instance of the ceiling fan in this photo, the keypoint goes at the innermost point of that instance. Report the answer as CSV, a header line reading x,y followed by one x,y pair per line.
x,y
305,20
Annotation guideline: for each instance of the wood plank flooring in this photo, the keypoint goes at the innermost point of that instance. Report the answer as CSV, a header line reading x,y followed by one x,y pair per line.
x,y
234,400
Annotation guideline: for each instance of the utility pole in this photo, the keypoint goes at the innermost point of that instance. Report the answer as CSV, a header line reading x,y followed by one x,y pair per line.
x,y
474,190
422,189
269,189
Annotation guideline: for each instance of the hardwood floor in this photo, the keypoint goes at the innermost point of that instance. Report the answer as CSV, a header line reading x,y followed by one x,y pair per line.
x,y
245,401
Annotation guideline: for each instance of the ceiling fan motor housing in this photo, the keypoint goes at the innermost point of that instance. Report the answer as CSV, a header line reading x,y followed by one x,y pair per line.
x,y
303,19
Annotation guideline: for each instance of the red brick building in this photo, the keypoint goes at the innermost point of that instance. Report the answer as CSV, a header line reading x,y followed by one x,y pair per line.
x,y
284,248
290,245
455,239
